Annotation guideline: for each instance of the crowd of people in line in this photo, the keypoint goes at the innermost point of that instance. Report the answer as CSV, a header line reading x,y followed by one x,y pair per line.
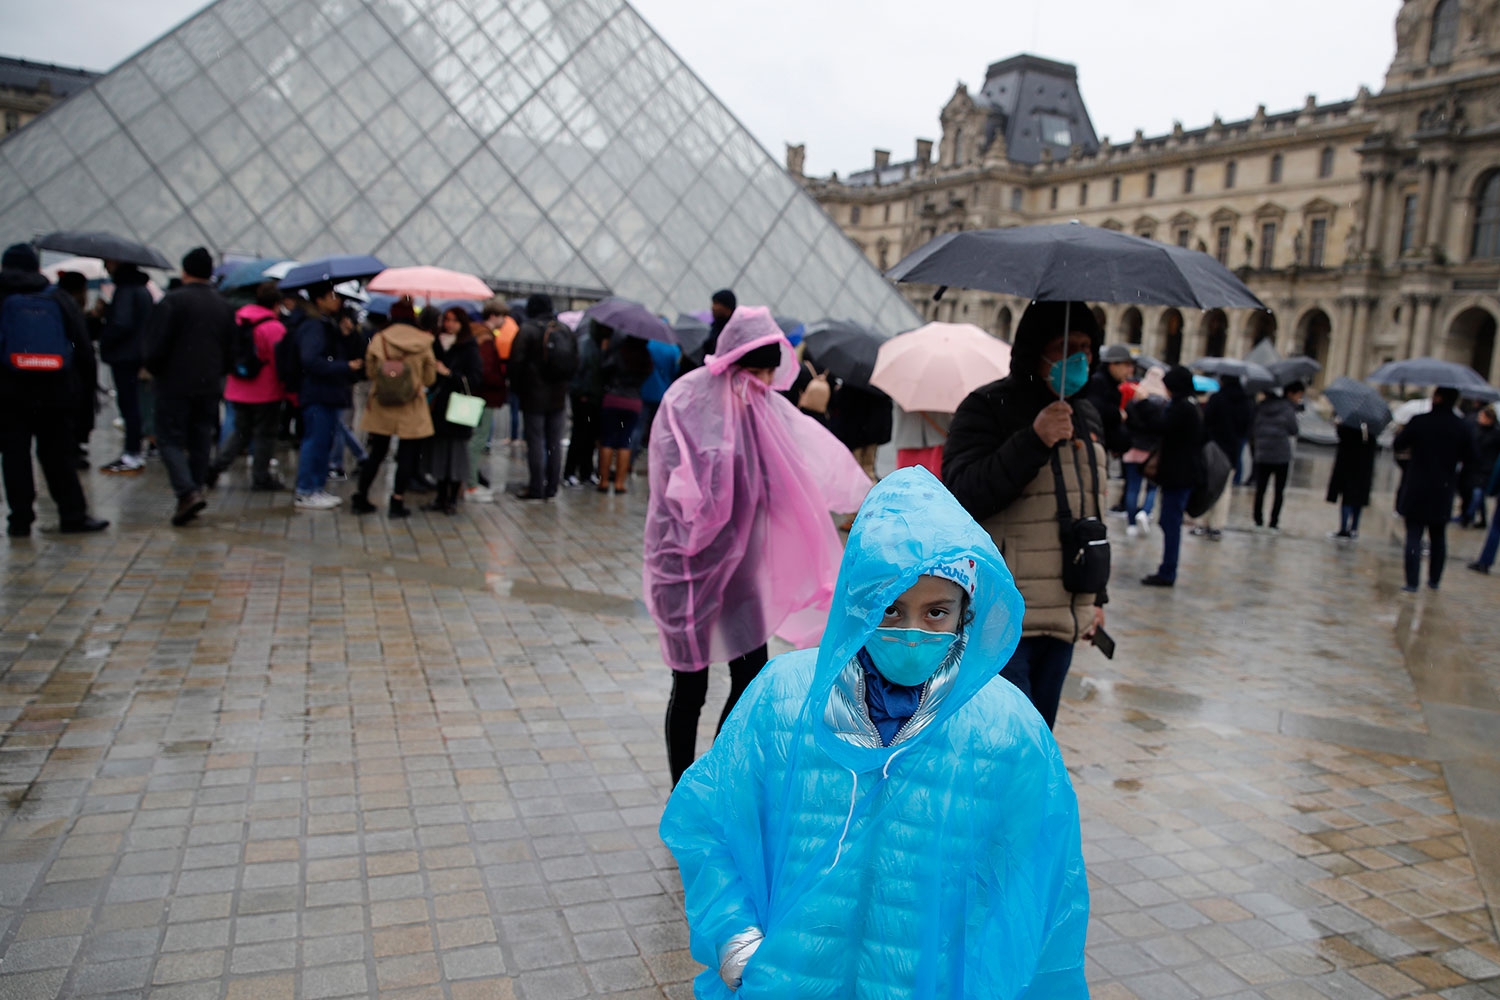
x,y
884,758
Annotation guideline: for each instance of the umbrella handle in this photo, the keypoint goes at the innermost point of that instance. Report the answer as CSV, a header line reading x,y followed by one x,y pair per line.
x,y
939,293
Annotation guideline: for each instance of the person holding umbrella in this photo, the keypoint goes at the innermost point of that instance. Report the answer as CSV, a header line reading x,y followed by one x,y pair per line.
x,y
122,346
1179,465
1271,435
1017,450
1353,473
1438,445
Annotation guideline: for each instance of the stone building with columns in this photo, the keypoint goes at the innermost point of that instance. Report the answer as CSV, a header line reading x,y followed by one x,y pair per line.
x,y
1370,226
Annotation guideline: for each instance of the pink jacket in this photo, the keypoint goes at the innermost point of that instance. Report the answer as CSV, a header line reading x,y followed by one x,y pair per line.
x,y
264,387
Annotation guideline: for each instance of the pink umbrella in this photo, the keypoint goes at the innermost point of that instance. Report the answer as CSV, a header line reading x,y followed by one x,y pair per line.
x,y
429,283
934,367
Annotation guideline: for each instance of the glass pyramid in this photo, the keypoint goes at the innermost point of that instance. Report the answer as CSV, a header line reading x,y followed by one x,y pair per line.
x,y
551,141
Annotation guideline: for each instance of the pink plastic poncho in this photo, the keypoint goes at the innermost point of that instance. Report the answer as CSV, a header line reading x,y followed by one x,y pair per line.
x,y
739,542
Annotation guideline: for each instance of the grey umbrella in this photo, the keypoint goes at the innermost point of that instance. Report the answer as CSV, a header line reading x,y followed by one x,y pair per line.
x,y
1245,371
1357,403
102,246
1429,371
1263,354
1299,368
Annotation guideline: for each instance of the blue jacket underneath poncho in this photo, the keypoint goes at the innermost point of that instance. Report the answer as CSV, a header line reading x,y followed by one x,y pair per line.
x,y
945,865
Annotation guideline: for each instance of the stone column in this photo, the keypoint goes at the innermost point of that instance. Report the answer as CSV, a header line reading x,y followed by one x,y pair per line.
x,y
1286,333
1357,366
1408,326
1441,208
1424,207
1366,218
1239,332
1426,314
1338,340
1151,332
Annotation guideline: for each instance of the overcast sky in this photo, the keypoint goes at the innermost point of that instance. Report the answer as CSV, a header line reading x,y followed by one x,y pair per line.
x,y
847,76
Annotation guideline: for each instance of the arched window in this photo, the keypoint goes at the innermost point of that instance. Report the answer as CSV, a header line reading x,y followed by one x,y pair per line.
x,y
1444,33
1486,241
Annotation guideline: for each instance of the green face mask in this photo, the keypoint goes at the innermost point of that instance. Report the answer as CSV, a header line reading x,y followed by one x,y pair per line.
x,y
1070,374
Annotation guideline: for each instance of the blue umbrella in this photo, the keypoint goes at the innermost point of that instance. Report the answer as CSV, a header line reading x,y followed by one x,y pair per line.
x,y
346,267
248,274
630,318
794,329
380,303
1202,383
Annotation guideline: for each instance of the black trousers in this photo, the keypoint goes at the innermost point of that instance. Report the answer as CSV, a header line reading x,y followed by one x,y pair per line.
x,y
127,379
1437,533
1263,473
408,460
689,691
185,430
56,449
544,455
583,442
255,427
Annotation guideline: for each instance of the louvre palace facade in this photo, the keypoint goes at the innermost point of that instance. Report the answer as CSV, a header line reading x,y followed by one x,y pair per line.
x,y
1369,226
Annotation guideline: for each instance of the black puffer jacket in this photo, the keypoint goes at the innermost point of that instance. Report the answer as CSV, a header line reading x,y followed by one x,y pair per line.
x,y
1228,415
188,341
122,336
30,390
1179,425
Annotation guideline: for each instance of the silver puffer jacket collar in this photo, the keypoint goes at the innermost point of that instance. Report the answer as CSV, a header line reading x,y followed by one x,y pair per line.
x,y
848,714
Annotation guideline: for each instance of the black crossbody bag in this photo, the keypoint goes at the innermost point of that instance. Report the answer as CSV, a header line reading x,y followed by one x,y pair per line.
x,y
1085,541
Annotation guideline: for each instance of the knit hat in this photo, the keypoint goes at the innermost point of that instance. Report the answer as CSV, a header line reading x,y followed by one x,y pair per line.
x,y
538,304
1179,382
20,257
1111,354
198,263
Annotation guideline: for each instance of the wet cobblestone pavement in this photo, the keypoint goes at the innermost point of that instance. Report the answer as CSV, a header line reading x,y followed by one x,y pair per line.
x,y
283,754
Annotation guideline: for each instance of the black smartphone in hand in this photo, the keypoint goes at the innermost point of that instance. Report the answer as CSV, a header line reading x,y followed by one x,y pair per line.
x,y
1106,645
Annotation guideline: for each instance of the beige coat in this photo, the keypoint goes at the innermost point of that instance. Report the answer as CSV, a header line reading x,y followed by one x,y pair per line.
x,y
1026,535
411,420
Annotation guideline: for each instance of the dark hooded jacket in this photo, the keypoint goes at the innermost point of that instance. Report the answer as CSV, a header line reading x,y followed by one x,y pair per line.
x,y
188,341
859,416
1227,416
122,337
1179,426
1486,451
527,383
1001,473
1353,466
1103,392
26,391
1440,447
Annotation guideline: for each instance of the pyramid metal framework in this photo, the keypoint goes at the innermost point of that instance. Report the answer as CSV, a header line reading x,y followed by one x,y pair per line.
x,y
551,141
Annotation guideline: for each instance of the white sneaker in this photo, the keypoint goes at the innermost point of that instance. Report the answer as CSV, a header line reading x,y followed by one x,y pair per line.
x,y
1131,531
1143,520
479,494
317,501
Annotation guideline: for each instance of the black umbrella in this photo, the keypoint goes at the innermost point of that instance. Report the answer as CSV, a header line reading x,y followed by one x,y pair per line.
x,y
102,246
1299,368
1356,403
630,318
1072,261
337,269
1428,371
692,335
842,348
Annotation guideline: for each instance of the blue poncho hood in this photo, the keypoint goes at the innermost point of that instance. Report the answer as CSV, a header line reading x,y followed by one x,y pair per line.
x,y
947,864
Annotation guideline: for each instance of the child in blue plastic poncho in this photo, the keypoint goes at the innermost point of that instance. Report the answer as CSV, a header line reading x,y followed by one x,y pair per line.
x,y
884,816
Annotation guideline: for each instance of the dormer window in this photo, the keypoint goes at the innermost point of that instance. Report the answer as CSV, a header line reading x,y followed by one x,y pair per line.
x,y
1055,130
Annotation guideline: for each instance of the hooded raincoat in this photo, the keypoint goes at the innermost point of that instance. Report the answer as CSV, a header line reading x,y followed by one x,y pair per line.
x,y
946,864
739,543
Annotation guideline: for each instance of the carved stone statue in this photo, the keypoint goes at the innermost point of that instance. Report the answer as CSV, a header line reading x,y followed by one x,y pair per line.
x,y
1297,248
1408,23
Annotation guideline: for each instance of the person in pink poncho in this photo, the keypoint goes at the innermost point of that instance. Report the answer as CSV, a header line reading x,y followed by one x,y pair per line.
x,y
739,543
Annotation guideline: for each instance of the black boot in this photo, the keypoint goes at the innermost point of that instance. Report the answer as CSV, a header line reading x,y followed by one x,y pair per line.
x,y
360,504
397,509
